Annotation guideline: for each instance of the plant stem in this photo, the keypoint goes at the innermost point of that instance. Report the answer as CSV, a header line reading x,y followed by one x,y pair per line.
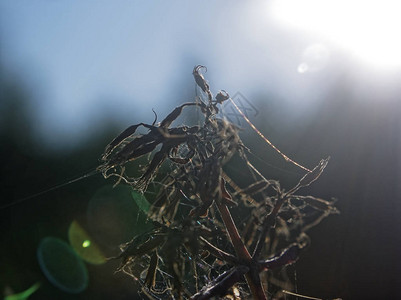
x,y
253,280
232,230
252,277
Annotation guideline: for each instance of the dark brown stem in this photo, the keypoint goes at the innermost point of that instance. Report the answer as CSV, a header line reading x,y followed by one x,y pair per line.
x,y
232,230
253,280
252,277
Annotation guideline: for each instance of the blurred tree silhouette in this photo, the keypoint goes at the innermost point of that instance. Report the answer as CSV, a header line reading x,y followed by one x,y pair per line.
x,y
27,168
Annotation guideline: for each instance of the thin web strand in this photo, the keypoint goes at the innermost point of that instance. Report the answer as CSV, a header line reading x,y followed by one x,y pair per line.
x,y
19,201
266,140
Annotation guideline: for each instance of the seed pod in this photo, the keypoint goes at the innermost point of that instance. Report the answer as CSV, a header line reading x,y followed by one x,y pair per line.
x,y
151,274
225,196
256,187
320,204
117,141
222,96
201,81
316,172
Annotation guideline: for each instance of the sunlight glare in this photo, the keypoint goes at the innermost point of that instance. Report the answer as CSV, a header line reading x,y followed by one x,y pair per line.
x,y
368,29
303,68
314,58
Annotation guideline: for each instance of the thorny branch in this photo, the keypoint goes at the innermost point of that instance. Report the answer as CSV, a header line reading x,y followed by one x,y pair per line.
x,y
185,244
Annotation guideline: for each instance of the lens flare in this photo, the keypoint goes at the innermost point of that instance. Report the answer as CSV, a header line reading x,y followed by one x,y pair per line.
x,y
62,266
314,58
114,217
84,245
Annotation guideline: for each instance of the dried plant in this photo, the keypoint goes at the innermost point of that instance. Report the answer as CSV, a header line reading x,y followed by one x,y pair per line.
x,y
195,249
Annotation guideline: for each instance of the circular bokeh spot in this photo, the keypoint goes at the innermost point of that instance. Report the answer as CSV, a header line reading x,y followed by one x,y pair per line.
x,y
314,58
114,217
62,266
84,245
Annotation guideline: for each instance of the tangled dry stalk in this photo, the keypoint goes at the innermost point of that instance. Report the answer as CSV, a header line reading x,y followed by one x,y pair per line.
x,y
182,256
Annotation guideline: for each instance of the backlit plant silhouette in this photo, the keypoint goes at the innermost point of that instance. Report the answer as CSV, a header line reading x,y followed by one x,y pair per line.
x,y
196,250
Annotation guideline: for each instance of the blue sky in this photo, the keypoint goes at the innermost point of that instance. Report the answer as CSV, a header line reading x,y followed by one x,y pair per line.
x,y
83,61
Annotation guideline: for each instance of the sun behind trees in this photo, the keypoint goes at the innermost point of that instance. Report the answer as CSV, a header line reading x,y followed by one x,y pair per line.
x,y
195,249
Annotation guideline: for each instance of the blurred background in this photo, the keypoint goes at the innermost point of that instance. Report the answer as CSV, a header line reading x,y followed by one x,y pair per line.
x,y
319,78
